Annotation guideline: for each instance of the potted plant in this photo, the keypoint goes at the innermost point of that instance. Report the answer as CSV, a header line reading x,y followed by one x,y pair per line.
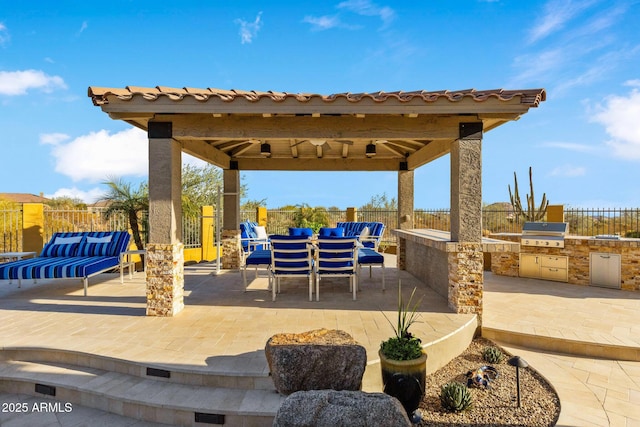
x,y
402,360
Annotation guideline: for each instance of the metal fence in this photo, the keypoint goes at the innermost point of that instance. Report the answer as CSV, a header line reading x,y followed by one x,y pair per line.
x,y
584,222
11,228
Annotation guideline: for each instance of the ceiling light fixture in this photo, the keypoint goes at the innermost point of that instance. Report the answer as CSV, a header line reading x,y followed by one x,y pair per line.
x,y
371,150
265,149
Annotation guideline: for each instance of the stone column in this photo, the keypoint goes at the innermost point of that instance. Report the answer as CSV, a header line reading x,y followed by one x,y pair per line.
x,y
231,219
165,252
405,211
465,263
466,184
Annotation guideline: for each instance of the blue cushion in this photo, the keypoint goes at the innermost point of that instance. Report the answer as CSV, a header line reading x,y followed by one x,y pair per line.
x,y
259,257
119,242
62,250
369,256
296,231
331,232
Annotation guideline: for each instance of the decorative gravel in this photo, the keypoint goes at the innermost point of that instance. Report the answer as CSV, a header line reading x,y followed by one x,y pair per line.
x,y
497,405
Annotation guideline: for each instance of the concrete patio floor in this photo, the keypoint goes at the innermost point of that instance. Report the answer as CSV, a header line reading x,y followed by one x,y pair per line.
x,y
223,330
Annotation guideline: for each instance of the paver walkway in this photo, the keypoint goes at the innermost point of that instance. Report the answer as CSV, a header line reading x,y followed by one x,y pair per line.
x,y
221,321
593,391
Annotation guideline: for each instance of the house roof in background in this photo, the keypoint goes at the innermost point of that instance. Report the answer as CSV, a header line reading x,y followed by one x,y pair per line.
x,y
23,198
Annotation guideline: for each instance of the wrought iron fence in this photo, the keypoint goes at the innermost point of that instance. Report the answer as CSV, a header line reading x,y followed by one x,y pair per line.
x,y
66,220
582,221
11,227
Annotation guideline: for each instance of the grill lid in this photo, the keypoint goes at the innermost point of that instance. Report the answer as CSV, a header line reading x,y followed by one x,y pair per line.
x,y
558,229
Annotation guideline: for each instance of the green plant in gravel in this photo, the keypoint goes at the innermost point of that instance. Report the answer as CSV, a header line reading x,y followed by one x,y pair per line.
x,y
404,346
492,354
455,397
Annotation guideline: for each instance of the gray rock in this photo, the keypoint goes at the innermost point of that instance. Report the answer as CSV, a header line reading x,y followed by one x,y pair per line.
x,y
315,360
330,408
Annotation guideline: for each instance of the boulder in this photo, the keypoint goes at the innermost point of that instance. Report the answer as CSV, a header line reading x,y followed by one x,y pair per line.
x,y
315,360
330,408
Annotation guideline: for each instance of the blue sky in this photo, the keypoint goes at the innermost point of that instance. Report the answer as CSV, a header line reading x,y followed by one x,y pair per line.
x,y
583,142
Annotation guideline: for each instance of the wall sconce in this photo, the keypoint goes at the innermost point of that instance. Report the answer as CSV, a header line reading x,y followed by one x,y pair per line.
x,y
370,150
265,149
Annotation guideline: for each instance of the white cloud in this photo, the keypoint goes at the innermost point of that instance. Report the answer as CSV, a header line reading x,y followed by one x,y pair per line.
x,y
99,155
556,14
366,8
90,196
19,82
571,146
249,30
322,22
619,115
568,170
53,138
83,27
4,34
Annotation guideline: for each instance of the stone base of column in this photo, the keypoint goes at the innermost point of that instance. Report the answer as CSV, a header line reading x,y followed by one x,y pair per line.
x,y
165,279
466,279
231,249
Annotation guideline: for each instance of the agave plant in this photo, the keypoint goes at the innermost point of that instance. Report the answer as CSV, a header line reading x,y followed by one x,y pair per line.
x,y
455,397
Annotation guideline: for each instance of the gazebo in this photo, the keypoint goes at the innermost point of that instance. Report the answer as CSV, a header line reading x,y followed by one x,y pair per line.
x,y
250,130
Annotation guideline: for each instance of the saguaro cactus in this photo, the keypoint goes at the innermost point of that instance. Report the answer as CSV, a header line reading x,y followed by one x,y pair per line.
x,y
531,213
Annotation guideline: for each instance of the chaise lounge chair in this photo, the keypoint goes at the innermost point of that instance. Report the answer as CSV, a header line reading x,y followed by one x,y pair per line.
x,y
71,255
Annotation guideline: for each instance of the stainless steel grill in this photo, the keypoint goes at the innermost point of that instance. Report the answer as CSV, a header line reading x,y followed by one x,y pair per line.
x,y
546,234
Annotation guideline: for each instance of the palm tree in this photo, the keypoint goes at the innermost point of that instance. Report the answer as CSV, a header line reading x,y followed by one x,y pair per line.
x,y
122,198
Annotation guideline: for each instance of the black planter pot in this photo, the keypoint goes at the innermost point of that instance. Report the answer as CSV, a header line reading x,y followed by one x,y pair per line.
x,y
405,380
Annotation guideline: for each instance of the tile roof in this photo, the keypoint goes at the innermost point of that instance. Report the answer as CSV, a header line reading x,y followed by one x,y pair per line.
x,y
23,198
100,95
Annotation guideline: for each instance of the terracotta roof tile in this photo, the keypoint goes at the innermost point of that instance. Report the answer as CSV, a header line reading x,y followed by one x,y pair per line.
x,y
100,95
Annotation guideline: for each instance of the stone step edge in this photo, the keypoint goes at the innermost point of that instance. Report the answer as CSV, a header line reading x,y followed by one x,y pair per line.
x,y
564,345
122,395
202,377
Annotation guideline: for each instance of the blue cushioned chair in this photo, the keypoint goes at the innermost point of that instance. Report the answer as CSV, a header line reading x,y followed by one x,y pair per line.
x,y
353,229
368,256
71,255
257,258
337,257
291,257
249,238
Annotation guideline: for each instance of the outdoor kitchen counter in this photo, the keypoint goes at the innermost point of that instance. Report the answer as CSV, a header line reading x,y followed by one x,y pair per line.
x,y
441,240
578,250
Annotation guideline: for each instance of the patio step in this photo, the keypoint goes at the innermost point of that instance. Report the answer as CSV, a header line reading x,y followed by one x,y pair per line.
x,y
153,400
586,347
225,376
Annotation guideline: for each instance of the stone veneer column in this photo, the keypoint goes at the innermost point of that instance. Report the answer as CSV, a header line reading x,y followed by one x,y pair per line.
x,y
165,252
231,220
165,279
405,212
466,277
231,249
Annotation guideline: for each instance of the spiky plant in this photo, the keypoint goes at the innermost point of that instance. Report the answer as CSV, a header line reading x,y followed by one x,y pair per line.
x,y
492,354
455,397
404,346
531,213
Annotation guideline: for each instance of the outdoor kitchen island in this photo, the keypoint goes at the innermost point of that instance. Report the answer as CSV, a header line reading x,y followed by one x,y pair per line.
x,y
604,261
452,269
